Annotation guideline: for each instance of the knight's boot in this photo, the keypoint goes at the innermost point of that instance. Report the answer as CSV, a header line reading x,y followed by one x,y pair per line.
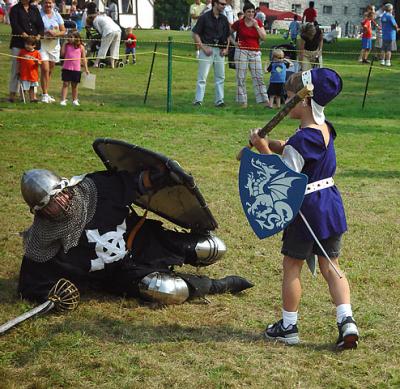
x,y
231,284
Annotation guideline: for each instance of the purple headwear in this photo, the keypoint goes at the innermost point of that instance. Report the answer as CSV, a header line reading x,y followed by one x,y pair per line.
x,y
327,85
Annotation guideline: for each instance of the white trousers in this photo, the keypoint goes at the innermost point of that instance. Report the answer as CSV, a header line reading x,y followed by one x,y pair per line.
x,y
249,59
112,41
205,63
14,79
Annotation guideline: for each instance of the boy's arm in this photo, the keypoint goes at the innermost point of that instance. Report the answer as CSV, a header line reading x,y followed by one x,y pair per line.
x,y
265,145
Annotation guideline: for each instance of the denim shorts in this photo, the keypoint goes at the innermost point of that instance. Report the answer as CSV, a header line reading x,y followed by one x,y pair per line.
x,y
296,247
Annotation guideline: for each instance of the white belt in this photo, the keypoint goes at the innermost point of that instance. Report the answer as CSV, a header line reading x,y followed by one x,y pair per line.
x,y
318,185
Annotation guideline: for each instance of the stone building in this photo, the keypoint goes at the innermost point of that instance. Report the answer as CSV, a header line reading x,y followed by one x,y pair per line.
x,y
347,13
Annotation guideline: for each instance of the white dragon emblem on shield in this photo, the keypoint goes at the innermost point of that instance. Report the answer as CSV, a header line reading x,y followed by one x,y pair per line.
x,y
269,190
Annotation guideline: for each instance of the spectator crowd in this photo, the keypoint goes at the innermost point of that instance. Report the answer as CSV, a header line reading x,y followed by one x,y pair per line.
x,y
42,38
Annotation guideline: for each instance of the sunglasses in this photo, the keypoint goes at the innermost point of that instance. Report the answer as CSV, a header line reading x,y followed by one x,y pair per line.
x,y
223,4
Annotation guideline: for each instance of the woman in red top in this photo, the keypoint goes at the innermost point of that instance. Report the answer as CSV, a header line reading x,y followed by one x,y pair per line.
x,y
248,55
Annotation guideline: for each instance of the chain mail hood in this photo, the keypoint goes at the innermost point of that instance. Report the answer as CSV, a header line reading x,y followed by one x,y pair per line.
x,y
45,237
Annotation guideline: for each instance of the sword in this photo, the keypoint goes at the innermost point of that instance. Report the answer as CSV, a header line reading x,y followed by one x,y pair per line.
x,y
64,296
300,95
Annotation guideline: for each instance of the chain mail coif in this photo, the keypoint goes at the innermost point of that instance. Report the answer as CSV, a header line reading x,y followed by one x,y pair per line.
x,y
45,237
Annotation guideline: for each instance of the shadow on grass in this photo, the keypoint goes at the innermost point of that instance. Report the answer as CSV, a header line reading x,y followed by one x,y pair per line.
x,y
118,331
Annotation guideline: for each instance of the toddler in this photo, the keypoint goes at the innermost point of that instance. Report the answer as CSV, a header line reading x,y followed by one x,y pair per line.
x,y
130,46
277,68
29,61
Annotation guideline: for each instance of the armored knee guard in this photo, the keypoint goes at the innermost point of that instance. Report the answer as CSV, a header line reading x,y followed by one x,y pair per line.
x,y
164,288
209,249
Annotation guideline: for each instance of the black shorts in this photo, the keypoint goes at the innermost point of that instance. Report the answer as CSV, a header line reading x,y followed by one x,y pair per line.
x,y
71,76
276,89
295,247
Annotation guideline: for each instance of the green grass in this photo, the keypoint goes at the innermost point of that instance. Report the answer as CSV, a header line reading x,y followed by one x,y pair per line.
x,y
111,342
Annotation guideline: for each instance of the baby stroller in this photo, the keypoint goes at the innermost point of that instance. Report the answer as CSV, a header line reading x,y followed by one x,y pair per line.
x,y
92,48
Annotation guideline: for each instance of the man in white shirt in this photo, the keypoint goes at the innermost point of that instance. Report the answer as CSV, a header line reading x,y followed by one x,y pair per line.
x,y
228,12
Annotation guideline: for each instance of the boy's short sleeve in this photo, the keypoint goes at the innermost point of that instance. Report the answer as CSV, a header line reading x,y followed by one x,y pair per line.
x,y
306,144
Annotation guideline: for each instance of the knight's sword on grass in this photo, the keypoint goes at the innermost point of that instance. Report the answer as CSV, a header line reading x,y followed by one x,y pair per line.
x,y
300,95
64,296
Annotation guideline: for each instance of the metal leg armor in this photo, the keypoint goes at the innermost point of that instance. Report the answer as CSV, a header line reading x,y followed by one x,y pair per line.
x,y
171,288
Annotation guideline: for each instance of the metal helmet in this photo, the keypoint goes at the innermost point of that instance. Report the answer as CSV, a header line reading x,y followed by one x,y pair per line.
x,y
209,249
164,288
39,185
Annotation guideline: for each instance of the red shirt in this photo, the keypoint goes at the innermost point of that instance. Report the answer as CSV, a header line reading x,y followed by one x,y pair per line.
x,y
248,37
310,14
130,45
29,65
367,28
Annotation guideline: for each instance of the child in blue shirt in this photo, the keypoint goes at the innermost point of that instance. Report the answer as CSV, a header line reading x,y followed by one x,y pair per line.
x,y
277,68
310,150
389,29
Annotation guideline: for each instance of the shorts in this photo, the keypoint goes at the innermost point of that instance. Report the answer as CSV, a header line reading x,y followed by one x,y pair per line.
x,y
366,43
298,248
26,85
130,50
50,52
71,76
389,45
276,89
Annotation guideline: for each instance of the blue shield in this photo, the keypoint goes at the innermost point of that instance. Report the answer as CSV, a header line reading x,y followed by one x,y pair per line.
x,y
270,192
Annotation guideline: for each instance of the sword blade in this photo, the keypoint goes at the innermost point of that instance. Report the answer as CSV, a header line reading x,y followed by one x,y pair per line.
x,y
42,308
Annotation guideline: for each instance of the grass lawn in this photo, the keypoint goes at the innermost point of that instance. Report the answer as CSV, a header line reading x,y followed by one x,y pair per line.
x,y
111,342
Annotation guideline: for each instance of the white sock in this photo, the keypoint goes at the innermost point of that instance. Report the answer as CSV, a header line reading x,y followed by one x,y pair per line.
x,y
289,318
342,311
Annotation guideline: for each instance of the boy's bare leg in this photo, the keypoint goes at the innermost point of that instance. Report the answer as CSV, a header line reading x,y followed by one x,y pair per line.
x,y
338,287
291,284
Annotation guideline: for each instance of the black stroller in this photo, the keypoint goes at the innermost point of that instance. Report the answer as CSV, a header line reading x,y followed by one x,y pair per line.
x,y
92,48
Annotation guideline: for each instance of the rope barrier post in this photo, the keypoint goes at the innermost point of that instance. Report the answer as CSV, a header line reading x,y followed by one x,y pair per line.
x,y
151,73
366,85
169,86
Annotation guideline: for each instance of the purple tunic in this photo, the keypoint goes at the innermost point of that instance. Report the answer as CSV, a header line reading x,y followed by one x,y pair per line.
x,y
323,209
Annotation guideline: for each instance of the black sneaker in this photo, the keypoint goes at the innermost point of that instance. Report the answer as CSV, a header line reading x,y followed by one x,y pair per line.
x,y
348,334
197,103
278,332
220,104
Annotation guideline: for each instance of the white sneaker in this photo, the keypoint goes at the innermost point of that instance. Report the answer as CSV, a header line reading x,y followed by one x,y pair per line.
x,y
51,99
45,99
63,103
387,63
382,62
76,103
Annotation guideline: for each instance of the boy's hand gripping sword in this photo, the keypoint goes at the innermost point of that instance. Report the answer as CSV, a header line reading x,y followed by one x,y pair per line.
x,y
307,91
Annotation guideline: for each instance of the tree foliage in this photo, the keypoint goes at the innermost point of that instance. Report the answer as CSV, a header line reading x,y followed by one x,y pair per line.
x,y
173,12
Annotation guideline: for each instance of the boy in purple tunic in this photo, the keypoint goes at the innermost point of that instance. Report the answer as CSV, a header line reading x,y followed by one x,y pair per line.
x,y
310,150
